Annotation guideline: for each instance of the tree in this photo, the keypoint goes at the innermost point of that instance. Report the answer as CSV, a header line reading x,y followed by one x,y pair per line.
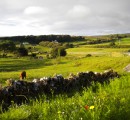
x,y
54,52
7,46
62,51
22,52
58,51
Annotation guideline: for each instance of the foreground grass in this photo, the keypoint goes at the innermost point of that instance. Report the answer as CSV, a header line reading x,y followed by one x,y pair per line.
x,y
108,102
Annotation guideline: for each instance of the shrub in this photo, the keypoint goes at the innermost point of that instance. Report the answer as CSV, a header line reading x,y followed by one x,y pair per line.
x,y
68,45
33,55
88,55
49,44
112,44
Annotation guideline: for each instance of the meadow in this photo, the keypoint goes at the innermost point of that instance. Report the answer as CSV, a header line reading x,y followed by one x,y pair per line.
x,y
11,68
107,102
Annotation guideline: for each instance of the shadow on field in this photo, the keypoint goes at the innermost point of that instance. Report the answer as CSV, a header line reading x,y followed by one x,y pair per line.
x,y
16,64
20,64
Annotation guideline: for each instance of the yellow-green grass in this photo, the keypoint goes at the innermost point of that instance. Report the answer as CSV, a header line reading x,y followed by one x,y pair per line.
x,y
87,49
83,51
37,48
124,41
42,49
11,68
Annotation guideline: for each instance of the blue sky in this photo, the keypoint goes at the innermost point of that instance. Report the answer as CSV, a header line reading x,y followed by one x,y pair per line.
x,y
74,17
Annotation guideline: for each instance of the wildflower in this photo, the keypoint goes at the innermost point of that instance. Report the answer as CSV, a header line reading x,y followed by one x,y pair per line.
x,y
91,107
86,107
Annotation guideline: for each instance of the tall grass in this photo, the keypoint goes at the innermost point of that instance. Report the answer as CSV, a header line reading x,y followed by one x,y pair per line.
x,y
106,102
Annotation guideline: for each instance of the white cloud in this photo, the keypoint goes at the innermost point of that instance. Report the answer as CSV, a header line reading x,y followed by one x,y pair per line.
x,y
79,11
32,10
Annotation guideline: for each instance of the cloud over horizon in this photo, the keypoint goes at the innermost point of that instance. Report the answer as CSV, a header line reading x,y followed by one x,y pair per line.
x,y
81,17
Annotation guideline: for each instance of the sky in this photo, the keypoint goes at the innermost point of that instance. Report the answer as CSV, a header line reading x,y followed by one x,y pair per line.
x,y
72,17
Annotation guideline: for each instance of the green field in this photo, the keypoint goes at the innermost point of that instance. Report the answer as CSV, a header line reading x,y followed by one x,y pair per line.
x,y
125,41
11,68
108,102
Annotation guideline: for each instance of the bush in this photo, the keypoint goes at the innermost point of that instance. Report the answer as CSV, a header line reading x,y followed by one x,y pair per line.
x,y
68,45
50,44
33,55
112,44
88,55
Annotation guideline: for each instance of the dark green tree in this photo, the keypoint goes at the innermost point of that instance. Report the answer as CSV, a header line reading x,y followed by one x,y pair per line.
x,y
58,51
7,46
61,51
22,52
54,52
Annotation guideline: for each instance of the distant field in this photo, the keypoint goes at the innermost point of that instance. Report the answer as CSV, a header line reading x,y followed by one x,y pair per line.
x,y
83,51
124,41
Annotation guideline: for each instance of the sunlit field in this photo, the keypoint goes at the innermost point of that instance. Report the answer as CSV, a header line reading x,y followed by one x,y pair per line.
x,y
11,68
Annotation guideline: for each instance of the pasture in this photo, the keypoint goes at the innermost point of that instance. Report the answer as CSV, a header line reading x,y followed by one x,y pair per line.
x,y
11,68
107,102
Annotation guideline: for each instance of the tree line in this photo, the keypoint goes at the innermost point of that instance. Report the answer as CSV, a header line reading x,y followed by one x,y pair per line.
x,y
57,49
37,39
106,39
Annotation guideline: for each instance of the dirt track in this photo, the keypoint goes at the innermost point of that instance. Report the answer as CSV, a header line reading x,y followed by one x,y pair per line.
x,y
127,68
